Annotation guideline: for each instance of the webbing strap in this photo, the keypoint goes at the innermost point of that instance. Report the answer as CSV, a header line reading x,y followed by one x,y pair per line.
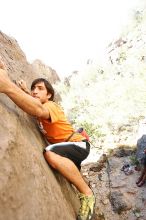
x,y
70,137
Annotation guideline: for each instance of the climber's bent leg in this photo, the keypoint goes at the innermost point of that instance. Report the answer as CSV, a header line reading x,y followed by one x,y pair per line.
x,y
69,170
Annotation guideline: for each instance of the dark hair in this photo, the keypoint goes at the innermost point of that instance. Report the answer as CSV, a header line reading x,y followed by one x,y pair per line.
x,y
47,84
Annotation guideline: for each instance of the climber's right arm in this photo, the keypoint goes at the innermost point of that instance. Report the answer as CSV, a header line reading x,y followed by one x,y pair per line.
x,y
26,102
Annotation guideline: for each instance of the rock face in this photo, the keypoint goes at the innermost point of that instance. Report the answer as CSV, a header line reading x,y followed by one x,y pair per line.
x,y
45,71
29,188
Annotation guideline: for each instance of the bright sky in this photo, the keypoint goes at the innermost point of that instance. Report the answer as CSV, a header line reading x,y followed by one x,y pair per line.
x,y
63,33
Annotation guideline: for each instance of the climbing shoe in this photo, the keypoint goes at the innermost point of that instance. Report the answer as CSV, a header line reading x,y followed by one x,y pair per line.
x,y
87,207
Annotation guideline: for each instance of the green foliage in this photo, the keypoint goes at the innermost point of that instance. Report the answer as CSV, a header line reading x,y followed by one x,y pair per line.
x,y
93,131
133,160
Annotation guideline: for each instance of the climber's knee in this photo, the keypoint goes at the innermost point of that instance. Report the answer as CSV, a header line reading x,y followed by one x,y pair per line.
x,y
50,157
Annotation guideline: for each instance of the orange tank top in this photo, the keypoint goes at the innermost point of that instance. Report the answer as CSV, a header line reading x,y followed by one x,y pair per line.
x,y
57,128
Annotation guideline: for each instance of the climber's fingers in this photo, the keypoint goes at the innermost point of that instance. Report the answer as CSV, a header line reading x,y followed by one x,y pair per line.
x,y
22,84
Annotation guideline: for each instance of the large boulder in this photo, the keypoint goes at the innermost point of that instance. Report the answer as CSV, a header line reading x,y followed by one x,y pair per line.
x,y
45,71
29,188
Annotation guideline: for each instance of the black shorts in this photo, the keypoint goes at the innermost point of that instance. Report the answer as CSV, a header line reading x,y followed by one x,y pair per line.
x,y
71,150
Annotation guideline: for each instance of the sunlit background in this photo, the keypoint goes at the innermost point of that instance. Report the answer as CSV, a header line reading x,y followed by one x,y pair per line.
x,y
64,34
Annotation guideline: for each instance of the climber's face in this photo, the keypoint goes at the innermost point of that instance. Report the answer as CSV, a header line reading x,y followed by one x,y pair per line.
x,y
40,92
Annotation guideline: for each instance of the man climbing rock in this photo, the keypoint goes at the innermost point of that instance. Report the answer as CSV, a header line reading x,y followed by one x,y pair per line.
x,y
64,156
